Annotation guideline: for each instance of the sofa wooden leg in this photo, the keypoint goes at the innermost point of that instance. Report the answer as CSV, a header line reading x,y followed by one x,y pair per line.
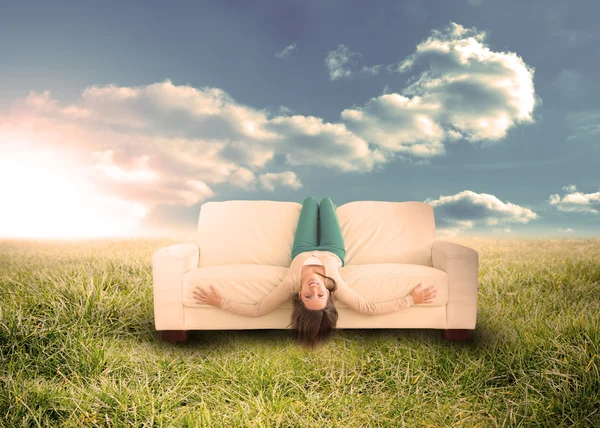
x,y
174,335
456,334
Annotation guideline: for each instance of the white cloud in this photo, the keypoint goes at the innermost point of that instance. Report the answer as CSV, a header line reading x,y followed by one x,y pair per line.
x,y
371,70
162,130
111,142
285,111
243,178
283,179
286,52
467,91
576,201
140,171
307,140
340,62
167,109
163,144
191,190
399,124
343,63
568,230
170,144
467,209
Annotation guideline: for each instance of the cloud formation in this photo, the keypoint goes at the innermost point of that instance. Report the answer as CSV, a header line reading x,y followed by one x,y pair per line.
x,y
286,52
168,144
467,92
340,62
163,144
307,140
287,179
468,209
575,201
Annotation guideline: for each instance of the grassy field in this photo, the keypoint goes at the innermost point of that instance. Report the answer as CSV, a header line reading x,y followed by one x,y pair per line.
x,y
78,348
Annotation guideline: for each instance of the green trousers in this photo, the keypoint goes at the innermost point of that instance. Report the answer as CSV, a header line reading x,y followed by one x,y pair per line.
x,y
319,229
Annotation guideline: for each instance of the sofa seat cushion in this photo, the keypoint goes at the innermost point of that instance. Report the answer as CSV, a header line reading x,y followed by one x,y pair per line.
x,y
375,282
381,282
243,283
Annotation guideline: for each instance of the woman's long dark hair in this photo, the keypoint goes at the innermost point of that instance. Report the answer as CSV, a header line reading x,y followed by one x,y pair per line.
x,y
314,327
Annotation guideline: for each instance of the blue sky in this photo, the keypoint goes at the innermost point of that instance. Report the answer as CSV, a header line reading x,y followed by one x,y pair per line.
x,y
122,118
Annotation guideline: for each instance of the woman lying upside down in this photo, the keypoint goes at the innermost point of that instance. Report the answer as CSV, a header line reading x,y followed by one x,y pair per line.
x,y
312,281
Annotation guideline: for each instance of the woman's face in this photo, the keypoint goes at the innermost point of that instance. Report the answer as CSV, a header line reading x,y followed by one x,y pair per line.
x,y
313,292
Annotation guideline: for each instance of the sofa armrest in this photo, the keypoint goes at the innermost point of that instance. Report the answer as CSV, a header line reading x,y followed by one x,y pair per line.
x,y
461,264
169,264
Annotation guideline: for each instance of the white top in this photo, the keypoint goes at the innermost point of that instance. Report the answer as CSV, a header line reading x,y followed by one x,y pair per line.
x,y
313,260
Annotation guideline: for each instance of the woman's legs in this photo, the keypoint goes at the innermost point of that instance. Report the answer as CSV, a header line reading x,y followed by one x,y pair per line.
x,y
306,231
331,234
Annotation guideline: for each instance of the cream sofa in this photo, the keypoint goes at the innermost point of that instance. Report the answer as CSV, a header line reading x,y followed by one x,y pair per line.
x,y
244,249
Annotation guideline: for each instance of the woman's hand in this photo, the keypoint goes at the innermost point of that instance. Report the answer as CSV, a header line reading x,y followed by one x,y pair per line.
x,y
422,296
212,299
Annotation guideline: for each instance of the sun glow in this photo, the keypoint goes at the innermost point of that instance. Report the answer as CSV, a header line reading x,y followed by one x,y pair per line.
x,y
45,194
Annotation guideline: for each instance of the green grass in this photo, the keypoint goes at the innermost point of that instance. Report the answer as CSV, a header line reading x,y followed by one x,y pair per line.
x,y
78,348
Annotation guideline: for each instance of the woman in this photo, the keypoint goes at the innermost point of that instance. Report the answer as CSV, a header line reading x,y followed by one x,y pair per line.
x,y
313,279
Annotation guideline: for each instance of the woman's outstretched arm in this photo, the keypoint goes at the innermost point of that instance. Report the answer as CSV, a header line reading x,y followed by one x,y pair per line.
x,y
358,303
270,302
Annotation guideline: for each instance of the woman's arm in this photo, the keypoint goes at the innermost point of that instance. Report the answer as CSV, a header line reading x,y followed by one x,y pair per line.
x,y
355,301
271,302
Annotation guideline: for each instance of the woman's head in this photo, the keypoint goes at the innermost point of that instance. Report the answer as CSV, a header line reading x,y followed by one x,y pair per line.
x,y
314,322
314,290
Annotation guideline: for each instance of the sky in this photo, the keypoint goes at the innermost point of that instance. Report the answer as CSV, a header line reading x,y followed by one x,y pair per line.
x,y
120,119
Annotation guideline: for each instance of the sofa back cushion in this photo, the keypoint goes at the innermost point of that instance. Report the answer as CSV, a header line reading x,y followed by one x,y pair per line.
x,y
387,232
247,232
